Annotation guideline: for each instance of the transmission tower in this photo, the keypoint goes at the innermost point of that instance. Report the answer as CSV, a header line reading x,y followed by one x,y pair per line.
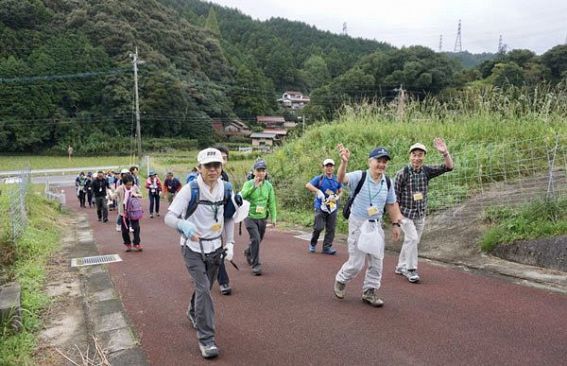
x,y
441,43
500,45
345,32
458,45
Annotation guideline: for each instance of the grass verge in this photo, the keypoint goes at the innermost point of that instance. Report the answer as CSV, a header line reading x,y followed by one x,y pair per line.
x,y
25,263
535,220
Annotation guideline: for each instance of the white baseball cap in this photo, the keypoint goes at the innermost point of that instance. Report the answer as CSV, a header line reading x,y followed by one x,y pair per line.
x,y
418,146
209,155
328,161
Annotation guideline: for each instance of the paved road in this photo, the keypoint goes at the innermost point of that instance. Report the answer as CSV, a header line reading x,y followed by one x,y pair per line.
x,y
289,316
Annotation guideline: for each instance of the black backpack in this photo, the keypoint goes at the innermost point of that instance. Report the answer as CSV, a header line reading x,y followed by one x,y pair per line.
x,y
346,208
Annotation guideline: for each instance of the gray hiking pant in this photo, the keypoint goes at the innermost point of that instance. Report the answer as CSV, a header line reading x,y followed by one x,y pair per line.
x,y
327,221
203,274
256,230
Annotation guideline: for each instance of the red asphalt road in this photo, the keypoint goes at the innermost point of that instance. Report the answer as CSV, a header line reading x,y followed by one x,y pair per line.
x,y
290,316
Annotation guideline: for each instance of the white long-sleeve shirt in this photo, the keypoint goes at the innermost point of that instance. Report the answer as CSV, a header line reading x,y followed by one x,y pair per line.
x,y
203,218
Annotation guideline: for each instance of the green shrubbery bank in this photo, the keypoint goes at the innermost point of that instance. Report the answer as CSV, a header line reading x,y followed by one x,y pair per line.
x,y
492,136
25,262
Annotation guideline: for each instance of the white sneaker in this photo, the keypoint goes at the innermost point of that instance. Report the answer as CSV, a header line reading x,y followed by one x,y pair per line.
x,y
209,351
118,228
411,275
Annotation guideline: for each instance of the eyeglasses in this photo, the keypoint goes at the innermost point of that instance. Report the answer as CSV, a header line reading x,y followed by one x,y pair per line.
x,y
214,165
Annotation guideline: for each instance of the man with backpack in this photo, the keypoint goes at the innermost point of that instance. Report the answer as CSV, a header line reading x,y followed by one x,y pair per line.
x,y
100,188
260,193
223,279
327,193
373,193
411,187
171,185
200,213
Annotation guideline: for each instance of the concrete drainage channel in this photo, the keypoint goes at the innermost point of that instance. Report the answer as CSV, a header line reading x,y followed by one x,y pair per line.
x,y
92,321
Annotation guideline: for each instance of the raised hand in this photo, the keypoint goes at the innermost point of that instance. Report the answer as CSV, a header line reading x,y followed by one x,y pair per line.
x,y
344,153
440,145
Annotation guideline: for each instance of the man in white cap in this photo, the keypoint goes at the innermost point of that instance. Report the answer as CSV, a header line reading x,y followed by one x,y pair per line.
x,y
201,222
411,191
327,191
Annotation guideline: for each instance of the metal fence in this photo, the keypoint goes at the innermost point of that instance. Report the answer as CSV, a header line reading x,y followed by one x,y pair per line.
x,y
17,205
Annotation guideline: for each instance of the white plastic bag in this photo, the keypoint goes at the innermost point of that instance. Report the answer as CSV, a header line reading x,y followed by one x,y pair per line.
x,y
371,239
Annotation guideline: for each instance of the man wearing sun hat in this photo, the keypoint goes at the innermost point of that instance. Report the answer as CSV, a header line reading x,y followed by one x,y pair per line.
x,y
327,192
411,187
202,224
375,196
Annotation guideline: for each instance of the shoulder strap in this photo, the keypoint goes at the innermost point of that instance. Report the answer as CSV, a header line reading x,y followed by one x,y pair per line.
x,y
320,181
194,201
388,183
359,185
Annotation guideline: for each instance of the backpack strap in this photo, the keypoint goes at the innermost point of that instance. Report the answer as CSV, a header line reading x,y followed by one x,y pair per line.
x,y
388,183
194,202
359,185
320,184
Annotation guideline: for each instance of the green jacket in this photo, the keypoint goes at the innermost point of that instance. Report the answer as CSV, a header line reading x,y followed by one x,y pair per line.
x,y
262,200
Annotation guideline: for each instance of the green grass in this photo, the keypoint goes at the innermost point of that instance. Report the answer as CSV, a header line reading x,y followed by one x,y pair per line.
x,y
538,219
25,263
52,162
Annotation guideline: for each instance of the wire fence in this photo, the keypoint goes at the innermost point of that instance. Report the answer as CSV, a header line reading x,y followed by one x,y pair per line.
x,y
502,176
17,205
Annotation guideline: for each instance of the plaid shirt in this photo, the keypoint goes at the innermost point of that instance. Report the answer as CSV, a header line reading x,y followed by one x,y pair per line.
x,y
409,182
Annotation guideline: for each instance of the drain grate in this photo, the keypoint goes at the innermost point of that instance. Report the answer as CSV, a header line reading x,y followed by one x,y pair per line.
x,y
97,259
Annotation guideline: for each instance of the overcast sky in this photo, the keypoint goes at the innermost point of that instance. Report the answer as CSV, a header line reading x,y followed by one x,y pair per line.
x,y
533,24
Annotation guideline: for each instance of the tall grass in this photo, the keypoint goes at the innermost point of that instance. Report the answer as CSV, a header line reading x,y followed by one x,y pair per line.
x,y
26,265
491,134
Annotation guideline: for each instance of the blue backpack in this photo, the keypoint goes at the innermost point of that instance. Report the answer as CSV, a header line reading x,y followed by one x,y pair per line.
x,y
229,208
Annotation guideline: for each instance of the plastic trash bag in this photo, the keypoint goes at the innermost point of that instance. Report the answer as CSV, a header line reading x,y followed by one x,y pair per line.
x,y
371,239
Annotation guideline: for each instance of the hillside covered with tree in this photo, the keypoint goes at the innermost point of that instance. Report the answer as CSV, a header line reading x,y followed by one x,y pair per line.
x,y
66,74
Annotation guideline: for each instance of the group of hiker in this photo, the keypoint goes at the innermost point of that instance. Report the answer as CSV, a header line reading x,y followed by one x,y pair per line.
x,y
204,212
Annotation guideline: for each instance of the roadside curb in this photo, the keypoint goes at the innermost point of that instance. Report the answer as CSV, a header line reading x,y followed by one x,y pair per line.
x,y
105,318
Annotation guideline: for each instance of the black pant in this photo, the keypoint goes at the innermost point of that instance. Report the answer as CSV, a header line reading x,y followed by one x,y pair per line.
x,y
90,198
327,221
82,198
101,208
256,230
154,199
125,225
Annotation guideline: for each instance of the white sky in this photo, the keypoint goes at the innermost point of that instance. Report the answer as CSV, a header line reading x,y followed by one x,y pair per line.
x,y
533,24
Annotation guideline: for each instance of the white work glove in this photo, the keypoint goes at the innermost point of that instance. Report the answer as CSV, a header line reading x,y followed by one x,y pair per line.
x,y
321,195
229,251
187,228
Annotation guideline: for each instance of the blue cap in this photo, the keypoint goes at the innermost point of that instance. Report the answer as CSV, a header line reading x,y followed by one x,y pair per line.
x,y
260,164
379,152
152,172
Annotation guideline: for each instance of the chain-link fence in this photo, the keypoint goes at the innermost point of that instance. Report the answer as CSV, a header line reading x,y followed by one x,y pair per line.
x,y
17,204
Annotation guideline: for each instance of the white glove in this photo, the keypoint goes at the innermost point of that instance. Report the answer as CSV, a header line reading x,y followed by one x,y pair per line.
x,y
187,228
229,251
321,195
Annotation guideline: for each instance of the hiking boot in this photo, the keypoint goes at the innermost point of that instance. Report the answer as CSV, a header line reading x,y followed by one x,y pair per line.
x,y
248,257
138,247
371,298
191,319
128,247
411,275
311,248
257,270
329,251
340,289
225,289
209,351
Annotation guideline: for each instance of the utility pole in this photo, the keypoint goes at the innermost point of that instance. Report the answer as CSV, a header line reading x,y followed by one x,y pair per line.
x,y
458,45
441,43
135,62
345,32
